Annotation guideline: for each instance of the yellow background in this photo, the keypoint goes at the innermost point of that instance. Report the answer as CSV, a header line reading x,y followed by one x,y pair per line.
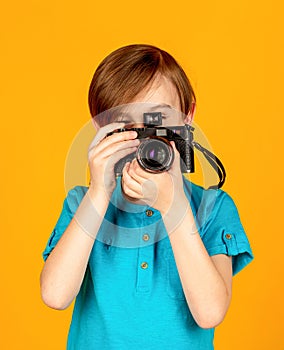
x,y
233,52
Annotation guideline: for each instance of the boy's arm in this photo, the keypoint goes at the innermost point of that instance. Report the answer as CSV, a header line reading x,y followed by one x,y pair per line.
x,y
64,269
206,281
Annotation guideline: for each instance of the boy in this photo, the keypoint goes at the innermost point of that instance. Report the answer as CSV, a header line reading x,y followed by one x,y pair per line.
x,y
149,257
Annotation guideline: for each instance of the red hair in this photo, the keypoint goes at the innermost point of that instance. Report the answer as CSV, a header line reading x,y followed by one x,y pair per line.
x,y
127,71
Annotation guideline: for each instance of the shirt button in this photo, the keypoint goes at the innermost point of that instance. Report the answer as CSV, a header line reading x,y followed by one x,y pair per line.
x,y
228,236
144,265
146,237
149,212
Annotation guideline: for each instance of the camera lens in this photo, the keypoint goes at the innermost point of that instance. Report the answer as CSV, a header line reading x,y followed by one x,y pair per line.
x,y
155,154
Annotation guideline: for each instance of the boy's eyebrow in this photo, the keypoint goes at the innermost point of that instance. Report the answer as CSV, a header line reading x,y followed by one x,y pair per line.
x,y
162,105
123,114
126,115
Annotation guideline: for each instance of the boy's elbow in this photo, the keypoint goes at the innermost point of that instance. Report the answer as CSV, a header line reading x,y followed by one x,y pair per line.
x,y
53,301
54,304
211,319
52,297
209,323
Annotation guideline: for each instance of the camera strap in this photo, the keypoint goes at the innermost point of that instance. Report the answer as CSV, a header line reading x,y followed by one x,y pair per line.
x,y
215,163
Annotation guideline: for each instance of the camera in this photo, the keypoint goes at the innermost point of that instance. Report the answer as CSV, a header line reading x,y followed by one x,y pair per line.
x,y
155,153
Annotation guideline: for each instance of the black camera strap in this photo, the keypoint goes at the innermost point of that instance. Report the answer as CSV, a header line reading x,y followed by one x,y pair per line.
x,y
214,162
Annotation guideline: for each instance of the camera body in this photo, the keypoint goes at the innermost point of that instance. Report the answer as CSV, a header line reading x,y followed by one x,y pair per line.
x,y
155,153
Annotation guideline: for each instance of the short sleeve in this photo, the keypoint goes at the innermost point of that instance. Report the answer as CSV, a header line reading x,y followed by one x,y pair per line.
x,y
223,233
70,205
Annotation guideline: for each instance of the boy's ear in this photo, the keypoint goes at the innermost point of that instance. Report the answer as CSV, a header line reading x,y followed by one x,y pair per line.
x,y
190,116
96,125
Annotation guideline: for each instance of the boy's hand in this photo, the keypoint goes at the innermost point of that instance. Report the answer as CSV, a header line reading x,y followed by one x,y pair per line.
x,y
104,152
163,191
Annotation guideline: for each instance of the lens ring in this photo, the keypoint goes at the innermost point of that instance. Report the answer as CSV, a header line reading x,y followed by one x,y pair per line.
x,y
155,154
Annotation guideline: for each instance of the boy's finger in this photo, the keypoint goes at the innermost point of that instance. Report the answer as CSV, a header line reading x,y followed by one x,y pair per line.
x,y
139,174
129,185
102,132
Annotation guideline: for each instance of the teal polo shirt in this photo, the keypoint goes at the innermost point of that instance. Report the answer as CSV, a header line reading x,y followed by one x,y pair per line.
x,y
131,296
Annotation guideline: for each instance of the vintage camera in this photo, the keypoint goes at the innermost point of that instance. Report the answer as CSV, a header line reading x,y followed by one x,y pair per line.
x,y
155,153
